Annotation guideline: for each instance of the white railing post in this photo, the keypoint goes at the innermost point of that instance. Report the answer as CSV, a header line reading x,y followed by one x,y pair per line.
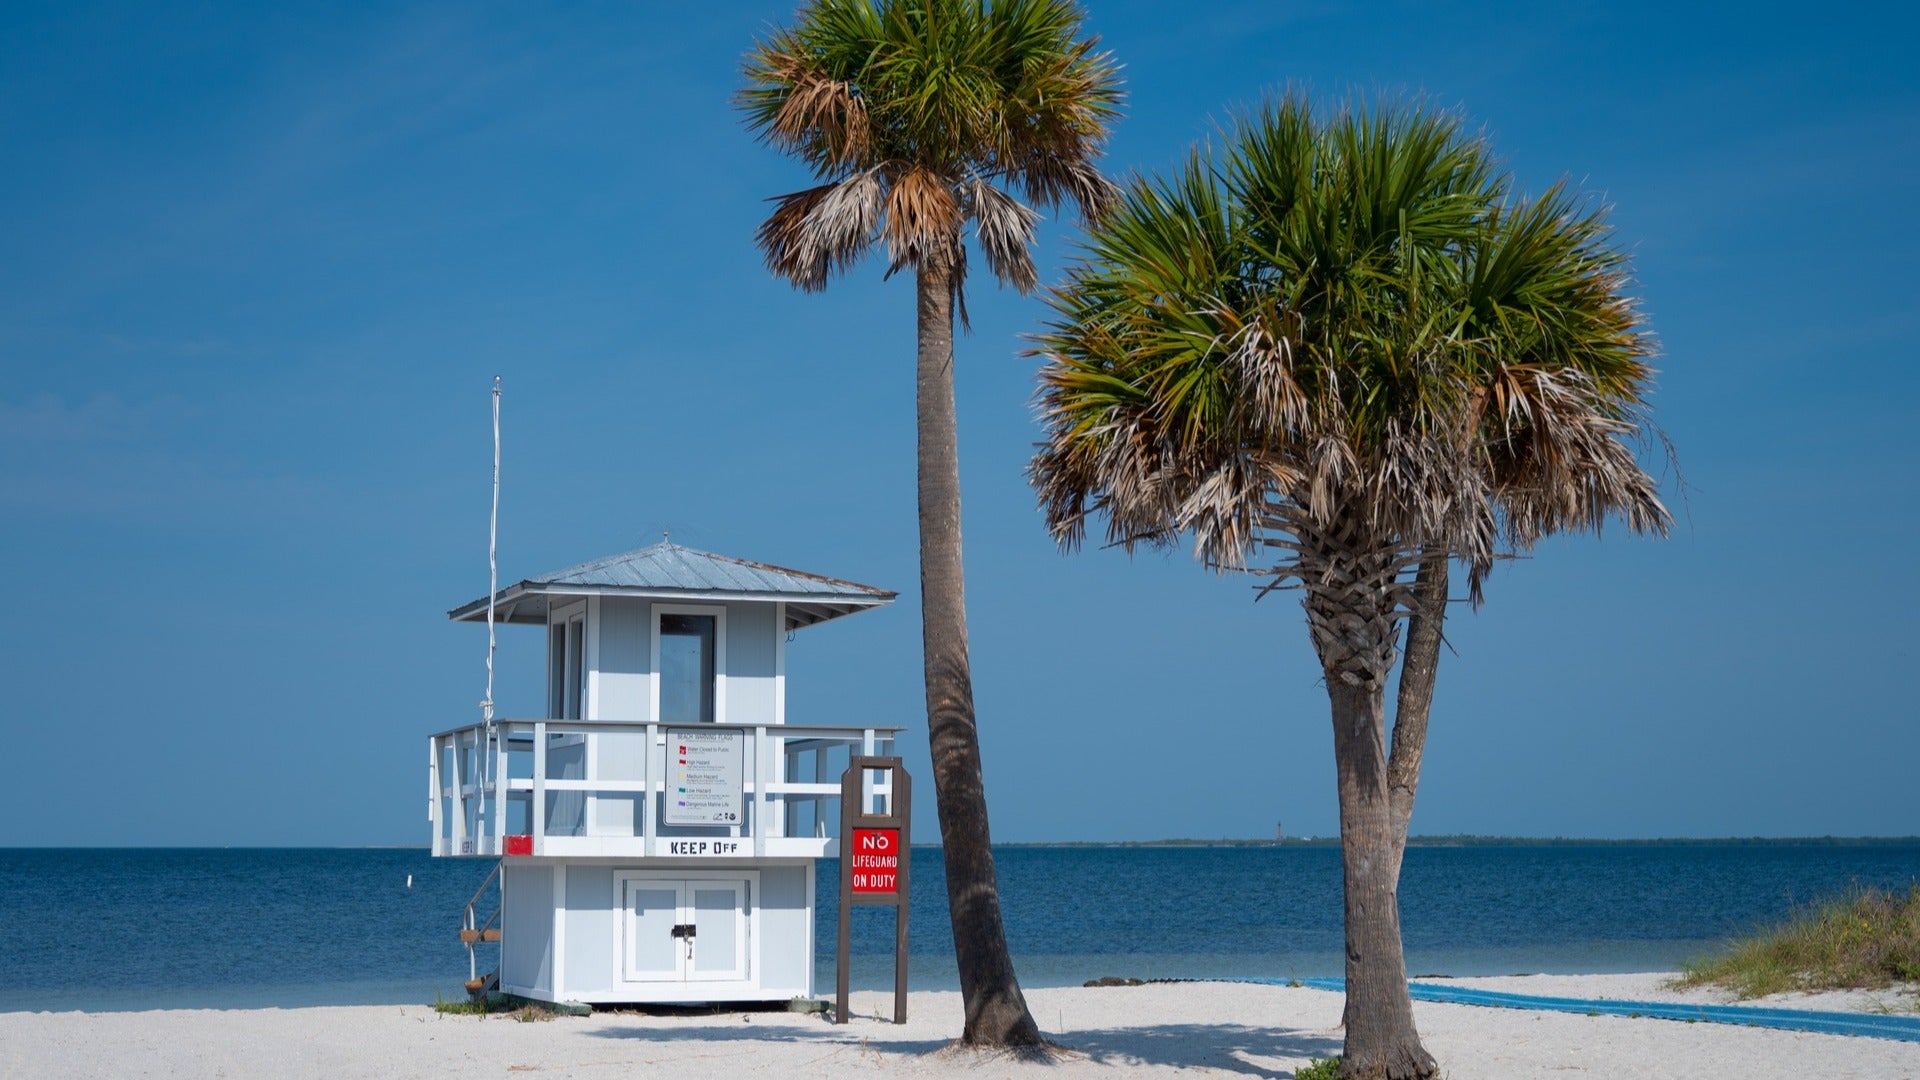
x,y
778,760
499,793
458,809
539,787
867,748
433,791
649,773
762,775
789,808
819,777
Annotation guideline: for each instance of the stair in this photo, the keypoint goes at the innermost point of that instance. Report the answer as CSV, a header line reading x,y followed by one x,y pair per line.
x,y
474,932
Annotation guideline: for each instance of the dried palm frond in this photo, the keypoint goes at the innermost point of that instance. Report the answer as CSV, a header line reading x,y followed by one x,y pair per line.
x,y
783,237
813,233
921,215
823,117
1003,226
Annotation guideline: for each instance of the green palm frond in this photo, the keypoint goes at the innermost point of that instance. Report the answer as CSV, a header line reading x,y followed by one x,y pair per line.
x,y
1347,317
976,98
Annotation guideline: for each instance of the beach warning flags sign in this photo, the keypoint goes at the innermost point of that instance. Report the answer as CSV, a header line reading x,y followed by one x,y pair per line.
x,y
876,860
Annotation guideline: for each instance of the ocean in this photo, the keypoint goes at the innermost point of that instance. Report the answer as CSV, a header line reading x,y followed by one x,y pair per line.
x,y
140,928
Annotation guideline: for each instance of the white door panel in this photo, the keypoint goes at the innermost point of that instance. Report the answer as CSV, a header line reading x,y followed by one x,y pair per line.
x,y
653,951
719,918
681,930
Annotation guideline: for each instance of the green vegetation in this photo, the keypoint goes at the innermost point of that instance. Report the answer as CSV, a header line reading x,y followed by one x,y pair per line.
x,y
520,1011
1865,938
470,1007
1320,1069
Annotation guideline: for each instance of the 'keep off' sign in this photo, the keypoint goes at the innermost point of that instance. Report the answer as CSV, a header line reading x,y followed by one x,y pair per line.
x,y
876,860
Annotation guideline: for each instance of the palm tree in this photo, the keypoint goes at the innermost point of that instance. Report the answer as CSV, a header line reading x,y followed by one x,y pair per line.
x,y
920,117
1348,342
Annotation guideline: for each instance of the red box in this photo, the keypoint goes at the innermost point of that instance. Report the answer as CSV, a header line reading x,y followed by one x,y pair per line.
x,y
520,845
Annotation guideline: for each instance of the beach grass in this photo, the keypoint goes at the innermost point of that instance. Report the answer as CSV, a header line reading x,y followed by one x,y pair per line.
x,y
471,1007
1862,939
523,1012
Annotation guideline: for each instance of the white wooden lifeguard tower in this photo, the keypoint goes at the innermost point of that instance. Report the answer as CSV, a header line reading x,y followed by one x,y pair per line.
x,y
657,831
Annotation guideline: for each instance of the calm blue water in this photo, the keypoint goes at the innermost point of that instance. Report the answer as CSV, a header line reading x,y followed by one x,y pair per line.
x,y
144,928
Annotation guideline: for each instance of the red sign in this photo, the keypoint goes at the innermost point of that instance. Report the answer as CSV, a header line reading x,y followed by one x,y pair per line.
x,y
520,845
876,860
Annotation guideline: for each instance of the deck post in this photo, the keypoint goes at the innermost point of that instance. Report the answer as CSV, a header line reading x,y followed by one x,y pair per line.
x,y
459,808
867,749
498,795
433,791
647,826
539,787
762,772
782,773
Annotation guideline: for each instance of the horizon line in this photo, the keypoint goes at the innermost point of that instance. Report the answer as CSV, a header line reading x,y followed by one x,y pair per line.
x,y
1430,840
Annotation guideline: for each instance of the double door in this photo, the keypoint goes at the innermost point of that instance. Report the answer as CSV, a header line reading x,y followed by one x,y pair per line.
x,y
686,929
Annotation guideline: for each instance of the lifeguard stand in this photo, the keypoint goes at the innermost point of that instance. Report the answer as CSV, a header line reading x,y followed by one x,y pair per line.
x,y
657,830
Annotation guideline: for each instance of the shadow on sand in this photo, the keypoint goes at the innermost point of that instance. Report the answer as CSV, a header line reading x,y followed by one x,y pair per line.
x,y
1187,1046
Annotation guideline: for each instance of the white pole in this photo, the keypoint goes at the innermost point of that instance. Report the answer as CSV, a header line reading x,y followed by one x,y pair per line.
x,y
493,587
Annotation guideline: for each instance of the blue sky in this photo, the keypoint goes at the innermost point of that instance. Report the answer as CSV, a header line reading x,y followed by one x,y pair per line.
x,y
259,265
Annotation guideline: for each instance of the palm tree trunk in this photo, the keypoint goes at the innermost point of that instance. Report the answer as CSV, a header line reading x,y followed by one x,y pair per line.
x,y
1352,616
1381,1038
996,1011
1419,667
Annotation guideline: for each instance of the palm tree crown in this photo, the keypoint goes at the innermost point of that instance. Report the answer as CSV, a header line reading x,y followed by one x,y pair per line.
x,y
1353,325
918,116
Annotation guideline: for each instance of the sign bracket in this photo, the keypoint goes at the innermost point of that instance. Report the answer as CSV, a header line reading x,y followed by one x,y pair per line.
x,y
882,843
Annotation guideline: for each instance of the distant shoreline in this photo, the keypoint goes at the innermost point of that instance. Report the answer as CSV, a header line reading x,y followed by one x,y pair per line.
x,y
1496,841
1174,842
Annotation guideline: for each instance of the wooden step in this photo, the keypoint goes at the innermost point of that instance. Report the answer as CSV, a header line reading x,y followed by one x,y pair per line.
x,y
468,937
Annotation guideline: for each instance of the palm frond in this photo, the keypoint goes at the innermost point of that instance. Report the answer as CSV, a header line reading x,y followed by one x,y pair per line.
x,y
1003,226
921,215
1346,323
813,233
937,93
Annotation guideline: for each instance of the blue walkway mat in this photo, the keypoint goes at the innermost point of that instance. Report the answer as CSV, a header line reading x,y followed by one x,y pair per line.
x,y
1903,1028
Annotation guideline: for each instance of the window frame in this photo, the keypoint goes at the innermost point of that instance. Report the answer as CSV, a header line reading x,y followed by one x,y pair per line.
x,y
719,614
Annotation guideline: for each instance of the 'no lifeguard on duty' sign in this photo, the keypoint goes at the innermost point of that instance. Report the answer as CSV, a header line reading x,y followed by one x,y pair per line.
x,y
876,860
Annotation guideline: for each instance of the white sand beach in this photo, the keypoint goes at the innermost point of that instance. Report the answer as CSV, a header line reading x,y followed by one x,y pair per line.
x,y
1185,1029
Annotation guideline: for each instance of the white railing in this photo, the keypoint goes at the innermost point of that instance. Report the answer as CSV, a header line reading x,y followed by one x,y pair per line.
x,y
596,788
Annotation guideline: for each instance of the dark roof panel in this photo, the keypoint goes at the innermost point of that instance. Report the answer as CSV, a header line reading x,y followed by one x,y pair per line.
x,y
667,569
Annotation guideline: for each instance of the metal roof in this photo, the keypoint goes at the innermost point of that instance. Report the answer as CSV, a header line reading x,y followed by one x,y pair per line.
x,y
669,571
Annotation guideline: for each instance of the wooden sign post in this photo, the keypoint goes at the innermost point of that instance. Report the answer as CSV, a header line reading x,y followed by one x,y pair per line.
x,y
874,851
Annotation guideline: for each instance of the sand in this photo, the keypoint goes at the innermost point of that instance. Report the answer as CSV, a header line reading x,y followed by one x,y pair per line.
x,y
1184,1029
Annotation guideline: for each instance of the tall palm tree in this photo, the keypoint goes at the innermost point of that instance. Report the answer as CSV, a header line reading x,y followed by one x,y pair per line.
x,y
1349,344
920,117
